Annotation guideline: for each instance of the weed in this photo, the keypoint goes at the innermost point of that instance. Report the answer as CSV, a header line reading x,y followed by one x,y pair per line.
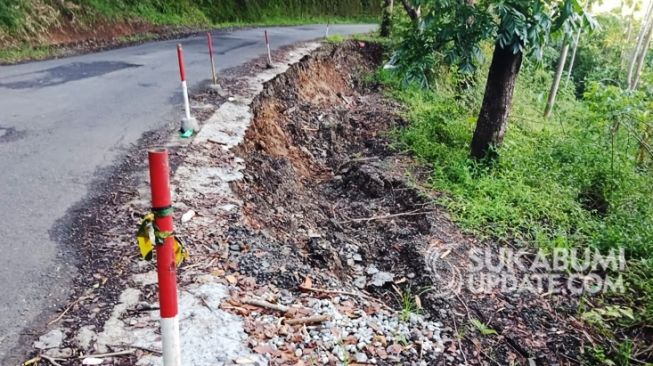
x,y
335,38
482,327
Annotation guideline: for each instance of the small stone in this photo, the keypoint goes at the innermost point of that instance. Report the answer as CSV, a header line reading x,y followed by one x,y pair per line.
x,y
381,278
360,282
52,339
60,353
360,357
371,270
324,360
235,247
357,257
299,352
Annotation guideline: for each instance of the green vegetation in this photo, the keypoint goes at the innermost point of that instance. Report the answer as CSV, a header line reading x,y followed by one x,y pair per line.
x,y
24,24
558,182
579,179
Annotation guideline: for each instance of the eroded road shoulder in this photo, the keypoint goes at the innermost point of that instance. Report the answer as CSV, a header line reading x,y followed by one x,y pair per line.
x,y
309,238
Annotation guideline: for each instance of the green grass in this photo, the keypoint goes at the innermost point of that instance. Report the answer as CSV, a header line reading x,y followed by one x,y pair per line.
x,y
24,23
564,182
13,55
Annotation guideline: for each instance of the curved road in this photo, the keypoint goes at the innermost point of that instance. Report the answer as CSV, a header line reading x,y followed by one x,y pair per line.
x,y
63,120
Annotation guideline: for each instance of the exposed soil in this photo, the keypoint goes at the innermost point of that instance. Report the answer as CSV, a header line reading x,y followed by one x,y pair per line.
x,y
69,39
326,197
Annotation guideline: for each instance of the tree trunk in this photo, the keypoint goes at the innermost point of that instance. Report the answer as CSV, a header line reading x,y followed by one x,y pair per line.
x,y
642,56
573,54
412,11
643,145
646,23
556,80
386,22
623,58
493,118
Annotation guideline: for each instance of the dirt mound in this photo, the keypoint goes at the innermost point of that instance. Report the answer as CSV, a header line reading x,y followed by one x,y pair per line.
x,y
331,200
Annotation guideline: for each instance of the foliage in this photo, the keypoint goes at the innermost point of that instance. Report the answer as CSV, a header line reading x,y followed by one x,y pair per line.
x,y
602,58
24,20
581,179
454,31
572,181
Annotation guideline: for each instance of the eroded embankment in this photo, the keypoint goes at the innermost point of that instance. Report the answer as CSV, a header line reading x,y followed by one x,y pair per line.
x,y
326,198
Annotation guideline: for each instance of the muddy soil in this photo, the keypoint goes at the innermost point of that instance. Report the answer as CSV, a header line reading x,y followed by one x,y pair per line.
x,y
325,196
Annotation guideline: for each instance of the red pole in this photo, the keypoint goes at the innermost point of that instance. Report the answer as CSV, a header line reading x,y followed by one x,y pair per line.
x,y
165,256
184,86
209,39
180,57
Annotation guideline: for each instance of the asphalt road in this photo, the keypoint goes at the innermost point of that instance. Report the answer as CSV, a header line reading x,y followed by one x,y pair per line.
x,y
62,121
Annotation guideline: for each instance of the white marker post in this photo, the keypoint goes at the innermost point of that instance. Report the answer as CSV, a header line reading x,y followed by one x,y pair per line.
x,y
188,123
326,34
267,44
165,257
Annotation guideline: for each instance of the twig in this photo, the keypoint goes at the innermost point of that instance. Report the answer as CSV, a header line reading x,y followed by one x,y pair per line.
x,y
137,347
383,217
50,360
327,291
31,361
67,309
267,305
356,160
215,142
466,308
110,354
308,320
460,345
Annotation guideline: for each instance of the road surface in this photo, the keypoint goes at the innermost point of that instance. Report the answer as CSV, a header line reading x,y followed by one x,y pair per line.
x,y
61,122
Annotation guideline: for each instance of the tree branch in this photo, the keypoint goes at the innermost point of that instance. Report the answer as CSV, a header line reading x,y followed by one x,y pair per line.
x,y
413,12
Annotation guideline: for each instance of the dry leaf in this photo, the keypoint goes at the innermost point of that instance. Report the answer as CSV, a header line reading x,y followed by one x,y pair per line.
x,y
307,284
231,279
263,349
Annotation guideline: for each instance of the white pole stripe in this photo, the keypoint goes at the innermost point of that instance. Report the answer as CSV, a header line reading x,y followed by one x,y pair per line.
x,y
171,343
269,55
184,88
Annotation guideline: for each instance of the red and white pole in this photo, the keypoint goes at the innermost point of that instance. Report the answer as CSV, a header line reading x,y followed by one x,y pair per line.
x,y
184,86
209,39
267,44
165,257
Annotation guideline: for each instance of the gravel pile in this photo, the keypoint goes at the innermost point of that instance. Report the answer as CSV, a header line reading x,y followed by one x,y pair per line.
x,y
356,333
